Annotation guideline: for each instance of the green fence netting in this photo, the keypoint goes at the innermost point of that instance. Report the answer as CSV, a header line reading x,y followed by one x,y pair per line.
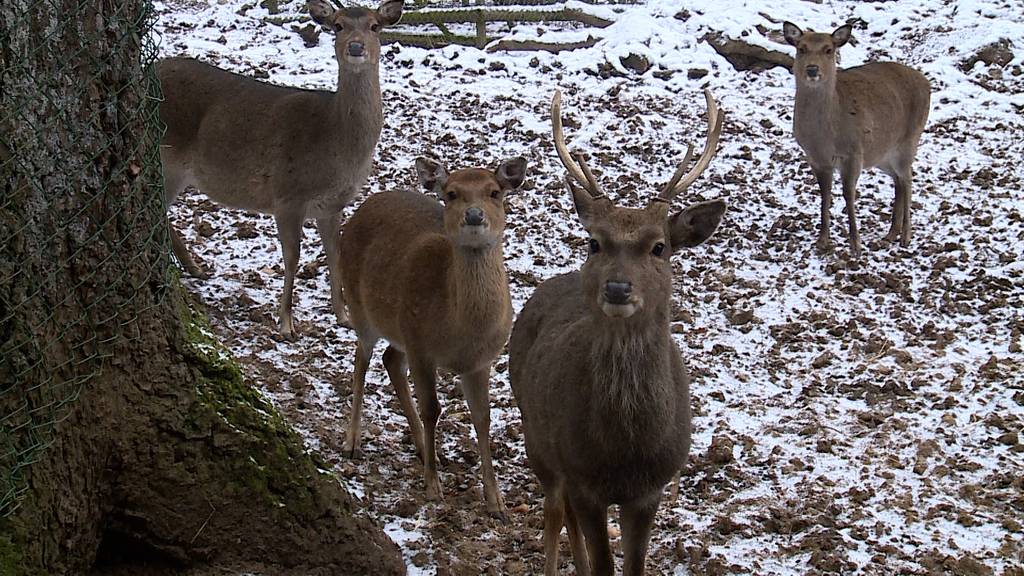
x,y
79,167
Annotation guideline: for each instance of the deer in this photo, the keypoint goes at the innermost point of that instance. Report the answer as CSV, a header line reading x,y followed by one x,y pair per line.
x,y
602,387
294,153
430,279
861,117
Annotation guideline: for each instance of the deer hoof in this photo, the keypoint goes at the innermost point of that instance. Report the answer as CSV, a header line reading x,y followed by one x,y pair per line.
x,y
824,245
892,236
287,332
343,319
352,453
434,490
498,515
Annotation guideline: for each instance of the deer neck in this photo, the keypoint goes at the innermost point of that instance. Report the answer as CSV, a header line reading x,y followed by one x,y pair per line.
x,y
478,285
357,110
817,107
631,369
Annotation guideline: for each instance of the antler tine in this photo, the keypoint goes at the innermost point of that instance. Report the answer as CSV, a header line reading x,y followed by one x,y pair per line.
x,y
680,170
592,186
579,172
680,182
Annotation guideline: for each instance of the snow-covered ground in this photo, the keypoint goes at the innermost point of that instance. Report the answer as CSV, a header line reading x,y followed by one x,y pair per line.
x,y
851,417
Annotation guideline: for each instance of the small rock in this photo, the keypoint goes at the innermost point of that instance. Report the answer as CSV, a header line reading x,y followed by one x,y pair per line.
x,y
824,359
720,450
636,63
997,53
246,229
1009,439
309,270
741,316
205,229
310,35
420,559
696,73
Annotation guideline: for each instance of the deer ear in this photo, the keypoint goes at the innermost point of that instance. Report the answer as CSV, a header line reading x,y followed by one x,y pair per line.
x,y
390,12
791,32
842,35
431,173
695,224
587,207
511,173
321,11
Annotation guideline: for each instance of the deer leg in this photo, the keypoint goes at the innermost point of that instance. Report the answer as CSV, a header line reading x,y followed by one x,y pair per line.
x,y
576,543
850,174
173,186
824,177
353,439
424,377
593,521
328,229
637,519
476,388
908,179
673,491
554,516
398,368
896,224
289,232
183,255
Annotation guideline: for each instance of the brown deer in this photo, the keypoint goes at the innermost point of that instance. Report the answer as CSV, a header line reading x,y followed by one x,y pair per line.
x,y
431,281
870,115
602,387
289,152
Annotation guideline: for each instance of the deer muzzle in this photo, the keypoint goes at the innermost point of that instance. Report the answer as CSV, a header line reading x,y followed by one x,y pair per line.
x,y
356,49
617,292
474,217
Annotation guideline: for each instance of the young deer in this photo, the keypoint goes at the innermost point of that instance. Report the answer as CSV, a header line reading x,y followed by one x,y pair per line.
x,y
431,281
870,115
601,385
289,152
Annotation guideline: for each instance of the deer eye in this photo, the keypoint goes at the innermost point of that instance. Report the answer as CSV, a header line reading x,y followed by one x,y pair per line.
x,y
658,249
801,50
374,27
595,246
496,194
450,195
338,27
828,50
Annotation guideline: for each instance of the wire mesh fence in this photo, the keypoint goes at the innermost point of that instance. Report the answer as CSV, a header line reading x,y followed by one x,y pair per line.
x,y
80,168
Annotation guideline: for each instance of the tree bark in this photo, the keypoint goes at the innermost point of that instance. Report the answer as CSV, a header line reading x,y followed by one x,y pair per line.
x,y
129,441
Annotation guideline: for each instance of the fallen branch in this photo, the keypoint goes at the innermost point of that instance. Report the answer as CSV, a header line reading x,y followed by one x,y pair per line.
x,y
476,15
554,47
746,56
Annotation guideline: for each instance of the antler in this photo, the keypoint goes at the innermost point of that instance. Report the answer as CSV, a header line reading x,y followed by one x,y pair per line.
x,y
679,181
574,163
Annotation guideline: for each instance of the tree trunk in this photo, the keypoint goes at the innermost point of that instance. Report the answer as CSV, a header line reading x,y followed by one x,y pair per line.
x,y
129,441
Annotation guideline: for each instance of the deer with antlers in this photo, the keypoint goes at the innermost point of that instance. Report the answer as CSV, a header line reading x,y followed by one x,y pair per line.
x,y
602,387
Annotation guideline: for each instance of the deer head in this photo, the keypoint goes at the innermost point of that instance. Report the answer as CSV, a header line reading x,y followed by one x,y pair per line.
x,y
474,198
816,52
627,273
356,30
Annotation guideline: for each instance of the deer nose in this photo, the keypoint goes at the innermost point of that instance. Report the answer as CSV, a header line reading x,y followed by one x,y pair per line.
x,y
812,71
356,49
617,292
474,216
